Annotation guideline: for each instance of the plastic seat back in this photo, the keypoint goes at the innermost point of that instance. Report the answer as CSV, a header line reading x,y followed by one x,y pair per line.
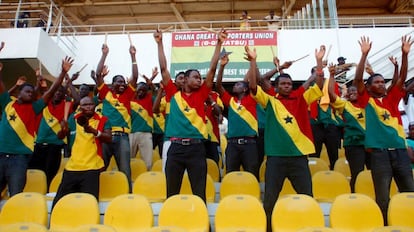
x,y
187,211
240,212
210,188
35,181
365,185
240,182
401,210
24,227
28,207
137,168
317,164
73,210
295,212
355,212
112,184
152,185
129,212
342,166
213,170
327,185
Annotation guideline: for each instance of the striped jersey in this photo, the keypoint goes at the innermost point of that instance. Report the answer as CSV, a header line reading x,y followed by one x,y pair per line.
x,y
18,125
49,126
288,130
242,115
86,148
141,114
383,121
117,107
187,117
354,121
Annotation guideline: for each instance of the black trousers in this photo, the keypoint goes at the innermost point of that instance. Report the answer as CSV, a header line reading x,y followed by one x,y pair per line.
x,y
242,154
328,135
190,157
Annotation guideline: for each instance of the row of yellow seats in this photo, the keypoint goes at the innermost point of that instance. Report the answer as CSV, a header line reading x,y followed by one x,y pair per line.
x,y
132,212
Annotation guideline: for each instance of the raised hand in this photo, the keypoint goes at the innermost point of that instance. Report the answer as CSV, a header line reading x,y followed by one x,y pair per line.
x,y
332,69
75,76
406,44
67,64
224,60
132,50
105,49
158,36
365,44
222,35
154,73
319,54
393,60
250,54
21,80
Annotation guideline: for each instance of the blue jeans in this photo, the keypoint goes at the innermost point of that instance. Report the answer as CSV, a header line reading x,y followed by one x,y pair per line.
x,y
296,169
386,164
13,169
121,151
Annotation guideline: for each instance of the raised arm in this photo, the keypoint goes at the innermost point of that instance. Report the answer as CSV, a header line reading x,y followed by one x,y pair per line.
x,y
219,82
134,78
358,81
331,86
165,74
222,35
251,56
99,69
395,75
157,102
405,48
66,65
319,54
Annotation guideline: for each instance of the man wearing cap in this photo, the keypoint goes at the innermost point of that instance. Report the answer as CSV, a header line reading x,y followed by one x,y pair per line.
x,y
341,69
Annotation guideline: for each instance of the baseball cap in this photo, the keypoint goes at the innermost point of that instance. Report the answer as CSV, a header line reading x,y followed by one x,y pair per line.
x,y
341,58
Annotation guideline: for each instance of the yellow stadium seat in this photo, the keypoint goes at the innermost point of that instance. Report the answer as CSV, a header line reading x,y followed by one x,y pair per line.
x,y
210,188
342,166
54,185
287,188
155,155
317,164
394,229
262,171
213,170
167,229
74,210
316,229
112,164
401,210
35,181
24,227
324,154
355,212
152,185
137,168
95,228
157,166
327,185
239,213
187,211
295,212
129,212
63,164
25,207
240,182
112,184
365,185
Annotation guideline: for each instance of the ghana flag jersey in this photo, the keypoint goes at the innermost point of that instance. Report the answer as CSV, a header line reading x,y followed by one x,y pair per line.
x,y
49,126
354,121
159,119
242,116
141,114
117,107
86,148
383,121
288,131
18,125
187,116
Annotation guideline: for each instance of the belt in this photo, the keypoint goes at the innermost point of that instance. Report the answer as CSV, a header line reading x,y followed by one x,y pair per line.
x,y
241,141
185,141
119,133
